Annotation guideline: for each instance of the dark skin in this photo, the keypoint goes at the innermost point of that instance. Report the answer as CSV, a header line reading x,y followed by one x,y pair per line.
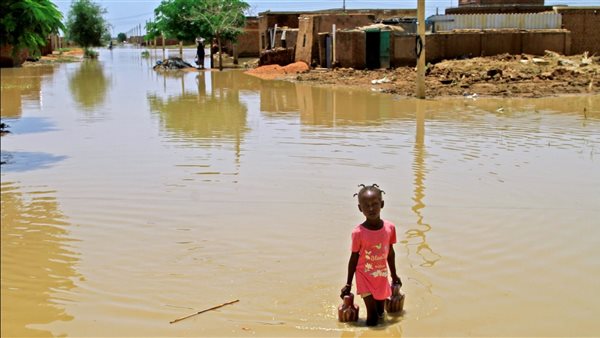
x,y
370,204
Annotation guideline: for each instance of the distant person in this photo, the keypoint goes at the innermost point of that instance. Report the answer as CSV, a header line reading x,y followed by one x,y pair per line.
x,y
372,254
200,53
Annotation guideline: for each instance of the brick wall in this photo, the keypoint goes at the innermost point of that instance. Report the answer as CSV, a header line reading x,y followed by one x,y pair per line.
x,y
584,25
450,45
350,49
247,44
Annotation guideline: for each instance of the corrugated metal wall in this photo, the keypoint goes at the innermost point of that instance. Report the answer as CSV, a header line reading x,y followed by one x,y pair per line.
x,y
547,20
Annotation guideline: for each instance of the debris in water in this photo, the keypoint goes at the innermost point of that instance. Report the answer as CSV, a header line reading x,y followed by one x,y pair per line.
x,y
199,312
171,63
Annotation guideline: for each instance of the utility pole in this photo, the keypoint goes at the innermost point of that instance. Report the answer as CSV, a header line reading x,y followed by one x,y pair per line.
x,y
420,49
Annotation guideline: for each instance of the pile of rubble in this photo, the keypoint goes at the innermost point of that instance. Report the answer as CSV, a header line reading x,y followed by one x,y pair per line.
x,y
501,75
172,63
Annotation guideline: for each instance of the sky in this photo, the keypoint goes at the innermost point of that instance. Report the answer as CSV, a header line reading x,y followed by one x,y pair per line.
x,y
125,15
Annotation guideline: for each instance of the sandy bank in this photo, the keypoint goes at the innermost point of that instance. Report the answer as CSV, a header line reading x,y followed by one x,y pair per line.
x,y
271,72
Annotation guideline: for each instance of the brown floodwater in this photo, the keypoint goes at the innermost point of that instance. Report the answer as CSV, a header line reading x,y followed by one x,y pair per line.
x,y
132,198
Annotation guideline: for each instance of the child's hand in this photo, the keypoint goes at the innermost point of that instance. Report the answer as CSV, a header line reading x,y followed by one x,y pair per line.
x,y
396,280
345,290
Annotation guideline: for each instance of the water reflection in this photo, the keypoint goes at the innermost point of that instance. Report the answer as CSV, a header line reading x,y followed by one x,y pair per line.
x,y
278,97
237,81
37,261
418,236
21,84
197,118
326,107
89,86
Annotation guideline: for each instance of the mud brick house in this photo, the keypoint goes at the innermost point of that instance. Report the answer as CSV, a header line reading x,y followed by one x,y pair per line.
x,y
247,42
268,37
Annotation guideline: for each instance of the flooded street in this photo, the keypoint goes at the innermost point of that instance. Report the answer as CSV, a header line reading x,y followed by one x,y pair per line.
x,y
131,198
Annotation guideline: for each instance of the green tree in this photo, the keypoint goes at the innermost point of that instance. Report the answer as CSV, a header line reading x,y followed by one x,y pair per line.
x,y
121,37
171,20
152,30
221,20
85,24
27,24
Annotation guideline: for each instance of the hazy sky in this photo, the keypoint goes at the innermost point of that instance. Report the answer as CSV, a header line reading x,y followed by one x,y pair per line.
x,y
124,15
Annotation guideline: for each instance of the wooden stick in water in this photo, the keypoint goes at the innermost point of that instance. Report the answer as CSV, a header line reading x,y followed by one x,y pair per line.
x,y
199,312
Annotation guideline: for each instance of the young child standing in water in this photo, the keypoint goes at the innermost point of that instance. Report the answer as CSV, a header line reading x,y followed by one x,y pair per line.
x,y
372,253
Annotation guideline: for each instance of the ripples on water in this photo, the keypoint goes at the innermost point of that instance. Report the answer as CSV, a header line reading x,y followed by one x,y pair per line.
x,y
132,198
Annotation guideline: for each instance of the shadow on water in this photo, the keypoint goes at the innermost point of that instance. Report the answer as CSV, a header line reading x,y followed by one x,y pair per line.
x,y
21,161
38,264
32,124
89,85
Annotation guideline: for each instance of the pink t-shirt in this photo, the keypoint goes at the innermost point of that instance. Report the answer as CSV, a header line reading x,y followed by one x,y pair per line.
x,y
372,270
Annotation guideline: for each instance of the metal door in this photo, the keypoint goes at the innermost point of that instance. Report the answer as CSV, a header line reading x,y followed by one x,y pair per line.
x,y
384,49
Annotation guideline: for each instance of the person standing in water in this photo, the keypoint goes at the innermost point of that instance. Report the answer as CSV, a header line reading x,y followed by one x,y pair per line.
x,y
200,53
372,254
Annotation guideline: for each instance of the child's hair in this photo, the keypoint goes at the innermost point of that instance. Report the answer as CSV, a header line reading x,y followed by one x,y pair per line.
x,y
373,187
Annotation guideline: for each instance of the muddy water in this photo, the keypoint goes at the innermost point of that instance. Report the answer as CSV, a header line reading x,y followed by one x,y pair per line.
x,y
131,198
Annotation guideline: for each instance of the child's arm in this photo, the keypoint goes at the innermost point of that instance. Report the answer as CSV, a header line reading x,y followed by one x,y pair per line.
x,y
352,262
391,260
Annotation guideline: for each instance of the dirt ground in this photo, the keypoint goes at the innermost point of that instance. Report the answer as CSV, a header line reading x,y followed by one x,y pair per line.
x,y
502,75
69,55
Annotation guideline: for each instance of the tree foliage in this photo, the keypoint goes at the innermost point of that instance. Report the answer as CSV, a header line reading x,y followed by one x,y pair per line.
x,y
221,19
86,25
121,37
152,30
171,19
27,23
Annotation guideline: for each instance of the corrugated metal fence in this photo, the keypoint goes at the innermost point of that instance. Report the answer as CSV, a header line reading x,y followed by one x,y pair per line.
x,y
547,20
